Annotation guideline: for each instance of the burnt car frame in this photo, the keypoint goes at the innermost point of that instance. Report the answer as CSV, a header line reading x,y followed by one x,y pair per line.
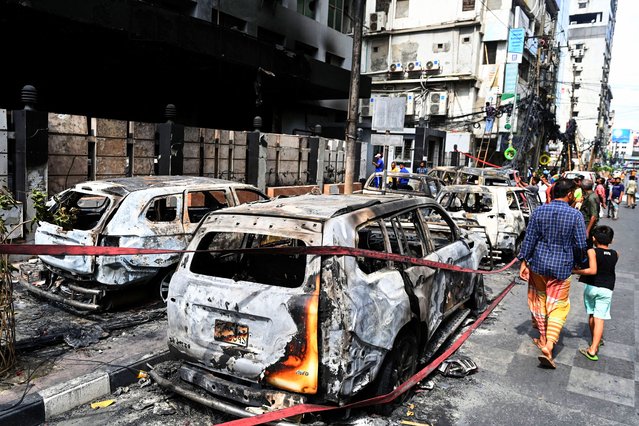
x,y
502,213
142,212
277,330
415,184
490,176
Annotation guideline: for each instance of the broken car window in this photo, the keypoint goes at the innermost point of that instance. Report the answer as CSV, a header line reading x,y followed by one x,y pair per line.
x,y
371,237
280,270
86,210
162,209
441,232
199,203
248,196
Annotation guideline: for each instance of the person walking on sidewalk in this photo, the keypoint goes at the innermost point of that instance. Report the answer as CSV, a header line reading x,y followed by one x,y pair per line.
x,y
599,278
616,195
631,190
555,242
589,208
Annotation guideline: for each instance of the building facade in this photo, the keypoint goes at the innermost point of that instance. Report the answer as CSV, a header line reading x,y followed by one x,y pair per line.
x,y
591,29
449,59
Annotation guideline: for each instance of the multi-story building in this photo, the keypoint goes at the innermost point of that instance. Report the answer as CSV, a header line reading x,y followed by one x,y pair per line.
x,y
220,62
448,59
591,29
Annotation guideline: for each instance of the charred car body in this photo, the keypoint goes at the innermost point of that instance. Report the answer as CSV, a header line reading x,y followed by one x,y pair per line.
x,y
141,212
489,176
502,213
403,183
276,330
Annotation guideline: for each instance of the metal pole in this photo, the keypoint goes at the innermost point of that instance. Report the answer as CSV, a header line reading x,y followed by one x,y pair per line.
x,y
353,98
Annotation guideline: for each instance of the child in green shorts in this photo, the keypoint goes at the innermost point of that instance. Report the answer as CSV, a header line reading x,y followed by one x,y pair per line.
x,y
599,278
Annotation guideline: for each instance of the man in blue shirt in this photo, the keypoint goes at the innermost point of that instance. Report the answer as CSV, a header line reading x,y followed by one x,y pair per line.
x,y
403,182
379,168
555,242
616,195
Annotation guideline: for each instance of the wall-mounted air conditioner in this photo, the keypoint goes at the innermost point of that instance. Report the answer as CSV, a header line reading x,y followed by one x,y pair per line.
x,y
578,53
432,65
414,66
437,103
578,67
377,21
410,103
396,67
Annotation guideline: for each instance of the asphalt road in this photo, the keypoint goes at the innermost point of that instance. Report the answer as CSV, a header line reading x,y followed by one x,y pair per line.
x,y
509,387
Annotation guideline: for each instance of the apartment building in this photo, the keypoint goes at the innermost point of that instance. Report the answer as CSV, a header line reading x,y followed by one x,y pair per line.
x,y
591,29
447,59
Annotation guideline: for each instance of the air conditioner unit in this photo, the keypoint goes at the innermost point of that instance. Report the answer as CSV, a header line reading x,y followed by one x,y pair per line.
x,y
414,66
410,103
578,67
377,21
432,65
578,53
365,107
396,67
437,103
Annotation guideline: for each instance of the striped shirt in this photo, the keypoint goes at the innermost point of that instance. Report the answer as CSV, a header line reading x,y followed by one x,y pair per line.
x,y
555,233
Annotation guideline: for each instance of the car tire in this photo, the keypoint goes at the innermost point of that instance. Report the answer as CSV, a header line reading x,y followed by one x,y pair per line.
x,y
478,300
399,365
164,281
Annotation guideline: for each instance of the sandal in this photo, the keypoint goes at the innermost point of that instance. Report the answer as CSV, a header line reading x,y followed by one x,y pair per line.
x,y
584,352
546,361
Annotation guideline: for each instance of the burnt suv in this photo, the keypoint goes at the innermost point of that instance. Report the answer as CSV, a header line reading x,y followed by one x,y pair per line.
x,y
142,212
279,329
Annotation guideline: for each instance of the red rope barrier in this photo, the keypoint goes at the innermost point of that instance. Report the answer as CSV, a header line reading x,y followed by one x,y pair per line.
x,y
480,160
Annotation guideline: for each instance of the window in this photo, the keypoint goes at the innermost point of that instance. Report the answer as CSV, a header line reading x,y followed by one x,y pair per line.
x,y
578,60
248,196
511,200
371,236
306,8
466,40
199,203
401,9
333,59
162,209
586,18
281,270
468,5
441,232
336,14
490,52
85,210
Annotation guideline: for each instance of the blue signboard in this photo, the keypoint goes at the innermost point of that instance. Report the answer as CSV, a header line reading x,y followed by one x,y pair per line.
x,y
621,135
511,76
516,38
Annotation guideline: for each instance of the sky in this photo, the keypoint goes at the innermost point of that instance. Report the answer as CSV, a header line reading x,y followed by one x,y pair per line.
x,y
624,67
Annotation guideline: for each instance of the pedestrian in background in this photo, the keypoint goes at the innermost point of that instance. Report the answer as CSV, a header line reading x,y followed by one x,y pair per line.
x,y
422,169
616,195
600,190
378,162
599,278
589,208
555,242
631,190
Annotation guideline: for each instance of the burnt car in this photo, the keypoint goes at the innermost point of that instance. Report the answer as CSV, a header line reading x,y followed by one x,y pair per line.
x,y
403,183
502,213
260,329
141,212
489,176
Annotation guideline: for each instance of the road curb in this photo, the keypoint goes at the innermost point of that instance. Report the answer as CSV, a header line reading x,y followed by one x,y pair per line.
x,y
39,407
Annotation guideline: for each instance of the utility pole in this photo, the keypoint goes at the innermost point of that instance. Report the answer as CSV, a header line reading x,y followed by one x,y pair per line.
x,y
353,98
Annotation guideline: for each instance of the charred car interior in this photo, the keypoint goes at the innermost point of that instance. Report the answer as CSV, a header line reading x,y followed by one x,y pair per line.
x,y
258,329
141,212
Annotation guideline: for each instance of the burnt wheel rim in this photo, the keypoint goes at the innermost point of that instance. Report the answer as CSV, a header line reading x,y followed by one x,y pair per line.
x,y
405,366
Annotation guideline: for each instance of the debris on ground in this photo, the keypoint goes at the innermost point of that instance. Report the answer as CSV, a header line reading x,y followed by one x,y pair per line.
x,y
458,366
102,404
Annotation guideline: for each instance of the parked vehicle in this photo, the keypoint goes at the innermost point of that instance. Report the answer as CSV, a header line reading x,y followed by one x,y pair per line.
x,y
474,176
282,329
403,183
502,213
144,212
593,176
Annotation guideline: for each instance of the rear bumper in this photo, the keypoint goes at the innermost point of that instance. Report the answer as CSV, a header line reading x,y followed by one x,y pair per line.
x,y
230,398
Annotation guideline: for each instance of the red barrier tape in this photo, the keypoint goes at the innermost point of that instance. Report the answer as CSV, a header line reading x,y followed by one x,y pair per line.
x,y
381,399
76,250
477,159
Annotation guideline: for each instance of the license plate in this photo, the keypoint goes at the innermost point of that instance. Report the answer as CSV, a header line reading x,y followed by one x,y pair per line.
x,y
231,332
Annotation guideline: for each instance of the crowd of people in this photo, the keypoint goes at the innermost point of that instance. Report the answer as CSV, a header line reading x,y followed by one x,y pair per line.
x,y
564,238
